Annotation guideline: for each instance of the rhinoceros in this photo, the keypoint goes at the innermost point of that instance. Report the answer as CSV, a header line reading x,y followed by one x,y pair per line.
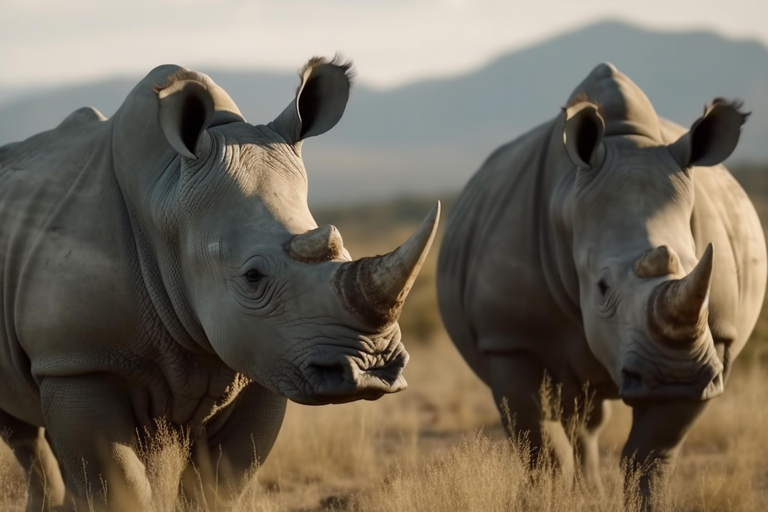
x,y
609,249
163,264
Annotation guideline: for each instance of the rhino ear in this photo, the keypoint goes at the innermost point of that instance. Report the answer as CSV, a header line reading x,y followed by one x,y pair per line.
x,y
583,135
186,108
713,136
320,100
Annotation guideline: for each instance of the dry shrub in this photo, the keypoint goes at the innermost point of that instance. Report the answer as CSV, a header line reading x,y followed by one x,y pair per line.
x,y
165,456
485,475
713,486
332,443
13,493
178,486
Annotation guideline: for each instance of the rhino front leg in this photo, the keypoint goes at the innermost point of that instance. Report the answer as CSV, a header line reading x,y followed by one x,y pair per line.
x,y
46,487
238,439
658,431
587,449
93,432
516,380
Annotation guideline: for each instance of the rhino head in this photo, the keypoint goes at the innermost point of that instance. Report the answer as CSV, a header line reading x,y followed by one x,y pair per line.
x,y
644,287
250,274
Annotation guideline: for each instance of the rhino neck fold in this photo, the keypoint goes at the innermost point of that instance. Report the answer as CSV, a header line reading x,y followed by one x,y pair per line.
x,y
161,274
554,184
147,171
159,262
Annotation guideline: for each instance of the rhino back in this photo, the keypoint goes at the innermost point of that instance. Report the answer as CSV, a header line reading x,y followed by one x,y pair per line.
x,y
65,255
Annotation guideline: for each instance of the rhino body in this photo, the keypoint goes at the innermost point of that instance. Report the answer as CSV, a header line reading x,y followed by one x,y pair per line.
x,y
163,265
564,250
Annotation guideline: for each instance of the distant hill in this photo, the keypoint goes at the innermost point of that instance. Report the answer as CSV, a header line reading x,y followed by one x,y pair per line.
x,y
430,136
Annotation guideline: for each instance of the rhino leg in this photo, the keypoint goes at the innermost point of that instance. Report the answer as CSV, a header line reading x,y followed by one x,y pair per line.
x,y
586,444
238,438
93,432
516,380
46,487
658,431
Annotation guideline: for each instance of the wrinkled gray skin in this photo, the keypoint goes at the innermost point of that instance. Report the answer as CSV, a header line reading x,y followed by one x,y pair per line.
x,y
164,265
575,251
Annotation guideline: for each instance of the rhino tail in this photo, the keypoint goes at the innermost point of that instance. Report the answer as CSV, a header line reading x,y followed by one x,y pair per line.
x,y
80,117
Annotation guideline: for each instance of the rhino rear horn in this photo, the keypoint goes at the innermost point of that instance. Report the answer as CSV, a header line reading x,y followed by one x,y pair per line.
x,y
374,289
320,244
657,262
677,309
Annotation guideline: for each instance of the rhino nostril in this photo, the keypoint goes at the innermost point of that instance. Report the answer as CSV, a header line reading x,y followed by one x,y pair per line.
x,y
631,380
329,376
389,373
715,387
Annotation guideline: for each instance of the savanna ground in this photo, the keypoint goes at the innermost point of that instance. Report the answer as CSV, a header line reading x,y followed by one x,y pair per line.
x,y
440,445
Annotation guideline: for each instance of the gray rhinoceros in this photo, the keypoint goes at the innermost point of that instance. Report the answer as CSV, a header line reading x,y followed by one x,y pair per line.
x,y
606,248
163,264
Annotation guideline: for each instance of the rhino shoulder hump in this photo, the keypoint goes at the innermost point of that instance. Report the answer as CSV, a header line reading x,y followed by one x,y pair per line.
x,y
80,117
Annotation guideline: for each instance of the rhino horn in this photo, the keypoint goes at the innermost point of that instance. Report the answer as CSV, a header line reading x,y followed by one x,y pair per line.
x,y
320,244
657,262
374,289
677,309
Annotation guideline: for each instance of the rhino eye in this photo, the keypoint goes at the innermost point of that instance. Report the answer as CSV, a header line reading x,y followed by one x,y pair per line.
x,y
253,276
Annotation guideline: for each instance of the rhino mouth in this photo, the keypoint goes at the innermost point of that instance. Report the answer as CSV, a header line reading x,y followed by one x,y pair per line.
x,y
637,386
340,374
633,391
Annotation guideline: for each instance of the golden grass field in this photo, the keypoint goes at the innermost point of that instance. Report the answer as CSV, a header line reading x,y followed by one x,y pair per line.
x,y
439,445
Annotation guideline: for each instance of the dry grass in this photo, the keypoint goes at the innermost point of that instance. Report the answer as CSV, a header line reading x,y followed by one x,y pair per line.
x,y
483,474
326,454
723,467
439,446
12,486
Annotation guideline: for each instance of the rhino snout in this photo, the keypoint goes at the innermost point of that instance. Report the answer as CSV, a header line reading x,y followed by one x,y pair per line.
x,y
340,374
641,381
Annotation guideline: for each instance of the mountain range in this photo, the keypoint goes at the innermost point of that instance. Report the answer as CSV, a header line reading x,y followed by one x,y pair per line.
x,y
431,135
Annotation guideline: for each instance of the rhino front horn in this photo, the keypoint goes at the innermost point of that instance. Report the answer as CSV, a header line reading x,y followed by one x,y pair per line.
x,y
677,309
374,289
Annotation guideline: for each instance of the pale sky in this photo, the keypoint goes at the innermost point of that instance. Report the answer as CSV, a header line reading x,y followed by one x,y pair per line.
x,y
391,41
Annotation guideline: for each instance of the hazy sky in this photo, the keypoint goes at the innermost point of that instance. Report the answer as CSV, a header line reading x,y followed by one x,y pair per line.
x,y
390,41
